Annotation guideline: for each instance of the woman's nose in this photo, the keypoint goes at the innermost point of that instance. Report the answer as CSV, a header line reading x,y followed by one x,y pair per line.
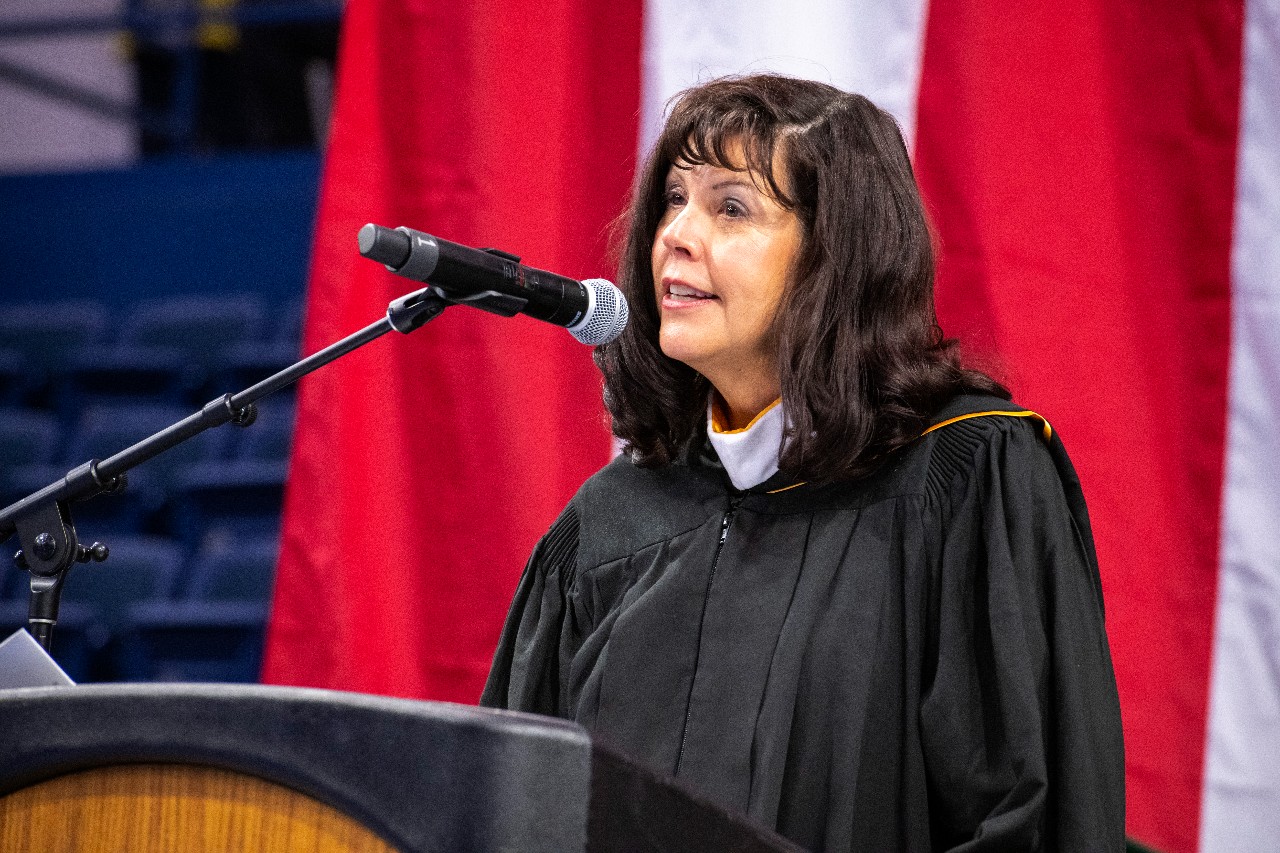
x,y
680,234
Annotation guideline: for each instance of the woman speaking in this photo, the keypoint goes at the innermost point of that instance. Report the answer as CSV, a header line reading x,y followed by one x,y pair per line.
x,y
836,581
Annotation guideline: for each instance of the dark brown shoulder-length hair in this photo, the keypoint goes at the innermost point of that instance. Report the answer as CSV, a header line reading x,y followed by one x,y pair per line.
x,y
862,362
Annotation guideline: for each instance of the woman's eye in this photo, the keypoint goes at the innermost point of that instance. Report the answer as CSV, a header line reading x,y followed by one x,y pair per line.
x,y
675,198
734,210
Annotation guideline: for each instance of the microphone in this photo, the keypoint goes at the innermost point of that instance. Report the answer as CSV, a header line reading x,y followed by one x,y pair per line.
x,y
594,311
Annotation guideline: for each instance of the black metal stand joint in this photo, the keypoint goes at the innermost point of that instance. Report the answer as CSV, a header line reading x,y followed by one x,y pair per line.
x,y
223,410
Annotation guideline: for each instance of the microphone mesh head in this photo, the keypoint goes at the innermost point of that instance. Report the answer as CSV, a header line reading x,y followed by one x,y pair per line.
x,y
606,316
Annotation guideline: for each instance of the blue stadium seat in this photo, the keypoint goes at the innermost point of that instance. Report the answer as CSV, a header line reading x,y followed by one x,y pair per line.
x,y
231,570
201,326
27,437
194,641
139,568
47,332
126,374
216,631
229,501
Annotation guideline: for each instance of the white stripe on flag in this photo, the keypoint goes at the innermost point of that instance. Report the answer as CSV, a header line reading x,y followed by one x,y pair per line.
x,y
873,48
1241,806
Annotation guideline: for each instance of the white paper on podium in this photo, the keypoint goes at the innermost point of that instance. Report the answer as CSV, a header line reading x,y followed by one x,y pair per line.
x,y
24,664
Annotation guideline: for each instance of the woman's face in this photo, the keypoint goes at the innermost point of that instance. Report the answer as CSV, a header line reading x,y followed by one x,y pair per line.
x,y
722,256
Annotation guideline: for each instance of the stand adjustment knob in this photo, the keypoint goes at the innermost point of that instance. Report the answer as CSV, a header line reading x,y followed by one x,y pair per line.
x,y
116,484
97,552
245,416
45,546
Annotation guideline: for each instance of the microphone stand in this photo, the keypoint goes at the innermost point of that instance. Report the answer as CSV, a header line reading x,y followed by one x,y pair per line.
x,y
42,520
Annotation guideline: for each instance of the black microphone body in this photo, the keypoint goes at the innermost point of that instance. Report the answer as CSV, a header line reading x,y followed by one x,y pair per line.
x,y
488,279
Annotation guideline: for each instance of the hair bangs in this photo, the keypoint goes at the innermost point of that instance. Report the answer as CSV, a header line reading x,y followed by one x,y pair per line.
x,y
740,139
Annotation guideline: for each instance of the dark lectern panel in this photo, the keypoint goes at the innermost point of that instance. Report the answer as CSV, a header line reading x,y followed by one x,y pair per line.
x,y
635,810
426,776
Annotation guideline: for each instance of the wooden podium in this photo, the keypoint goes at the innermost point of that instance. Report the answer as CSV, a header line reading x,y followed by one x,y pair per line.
x,y
185,767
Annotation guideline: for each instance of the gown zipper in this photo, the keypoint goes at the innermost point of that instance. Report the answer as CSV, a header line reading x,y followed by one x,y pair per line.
x,y
715,562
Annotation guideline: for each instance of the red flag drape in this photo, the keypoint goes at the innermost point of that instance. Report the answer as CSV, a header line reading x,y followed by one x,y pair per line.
x,y
425,467
1080,171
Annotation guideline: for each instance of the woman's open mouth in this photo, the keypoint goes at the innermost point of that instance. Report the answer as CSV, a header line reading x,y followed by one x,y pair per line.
x,y
680,294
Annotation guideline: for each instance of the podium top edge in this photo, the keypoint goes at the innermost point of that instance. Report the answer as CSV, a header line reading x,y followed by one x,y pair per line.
x,y
285,695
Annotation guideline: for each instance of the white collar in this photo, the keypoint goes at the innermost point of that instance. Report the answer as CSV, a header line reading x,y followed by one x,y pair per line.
x,y
750,454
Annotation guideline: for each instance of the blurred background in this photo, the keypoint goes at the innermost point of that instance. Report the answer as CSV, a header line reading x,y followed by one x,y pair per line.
x,y
181,182
159,163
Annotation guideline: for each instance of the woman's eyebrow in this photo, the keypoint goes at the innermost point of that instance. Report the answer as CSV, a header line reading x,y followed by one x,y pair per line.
x,y
735,182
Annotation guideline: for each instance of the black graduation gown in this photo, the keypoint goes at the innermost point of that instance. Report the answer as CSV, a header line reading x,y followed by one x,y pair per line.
x,y
914,661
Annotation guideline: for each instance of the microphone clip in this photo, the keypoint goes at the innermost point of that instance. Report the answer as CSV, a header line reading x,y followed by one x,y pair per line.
x,y
414,310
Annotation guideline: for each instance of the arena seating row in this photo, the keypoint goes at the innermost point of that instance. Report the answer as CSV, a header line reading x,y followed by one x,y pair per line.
x,y
146,614
68,355
228,477
185,591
